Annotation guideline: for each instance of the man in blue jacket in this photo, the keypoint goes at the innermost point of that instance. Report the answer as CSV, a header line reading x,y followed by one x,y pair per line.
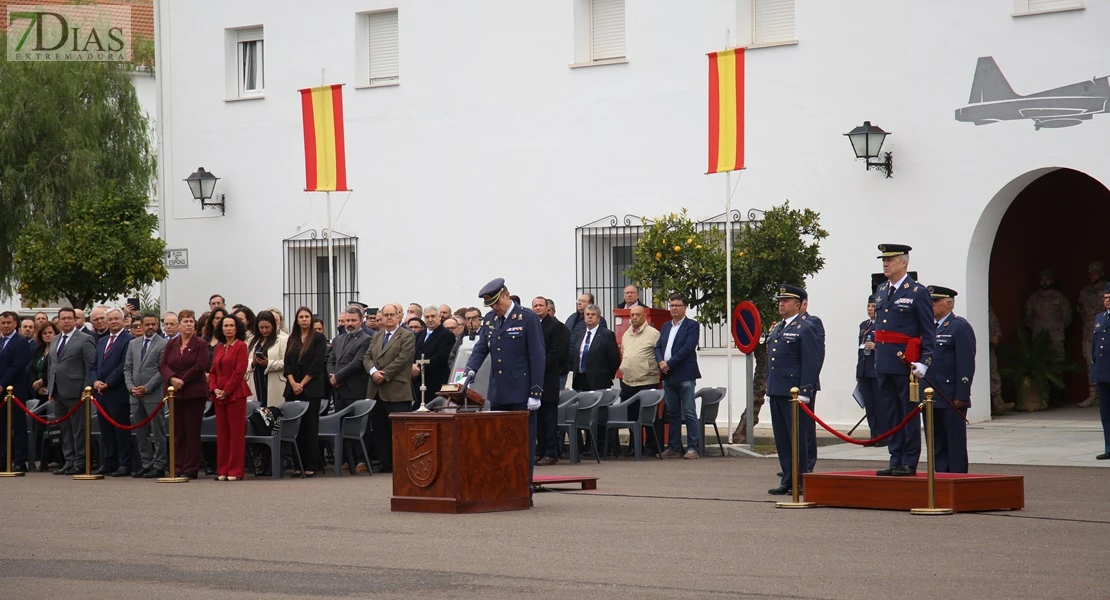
x,y
794,362
1100,370
15,354
952,372
114,397
676,353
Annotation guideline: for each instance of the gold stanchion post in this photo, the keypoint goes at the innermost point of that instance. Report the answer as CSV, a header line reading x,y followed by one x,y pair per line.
x,y
173,478
8,406
929,424
794,475
88,476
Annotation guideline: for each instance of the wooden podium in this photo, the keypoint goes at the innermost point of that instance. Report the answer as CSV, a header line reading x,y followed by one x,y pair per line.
x,y
460,462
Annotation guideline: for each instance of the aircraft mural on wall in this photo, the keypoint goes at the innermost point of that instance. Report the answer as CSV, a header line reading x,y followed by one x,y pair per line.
x,y
993,100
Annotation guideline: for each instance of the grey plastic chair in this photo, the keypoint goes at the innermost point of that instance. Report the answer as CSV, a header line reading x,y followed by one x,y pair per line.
x,y
581,416
331,435
635,424
710,404
32,430
354,426
290,425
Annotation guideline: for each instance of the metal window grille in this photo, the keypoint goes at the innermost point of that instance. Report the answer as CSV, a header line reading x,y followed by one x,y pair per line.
x,y
306,278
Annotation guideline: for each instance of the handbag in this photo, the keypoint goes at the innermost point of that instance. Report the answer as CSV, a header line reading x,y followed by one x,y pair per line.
x,y
266,420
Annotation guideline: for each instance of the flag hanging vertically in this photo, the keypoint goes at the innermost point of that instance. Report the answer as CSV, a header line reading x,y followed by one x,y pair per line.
x,y
325,160
726,111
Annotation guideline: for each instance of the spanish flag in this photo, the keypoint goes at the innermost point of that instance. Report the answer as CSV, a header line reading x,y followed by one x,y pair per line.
x,y
325,159
726,111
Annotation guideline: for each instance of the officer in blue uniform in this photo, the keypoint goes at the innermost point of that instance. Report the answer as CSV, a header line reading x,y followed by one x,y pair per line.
x,y
952,371
903,319
512,337
794,362
1100,369
865,375
811,425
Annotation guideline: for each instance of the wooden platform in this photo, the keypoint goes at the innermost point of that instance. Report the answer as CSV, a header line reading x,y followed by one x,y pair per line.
x,y
588,483
962,492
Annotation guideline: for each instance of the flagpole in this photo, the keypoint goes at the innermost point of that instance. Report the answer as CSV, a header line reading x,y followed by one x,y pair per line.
x,y
728,291
331,313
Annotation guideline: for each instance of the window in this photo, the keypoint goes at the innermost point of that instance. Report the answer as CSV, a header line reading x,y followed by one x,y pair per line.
x,y
606,30
599,33
383,63
1033,7
765,23
250,62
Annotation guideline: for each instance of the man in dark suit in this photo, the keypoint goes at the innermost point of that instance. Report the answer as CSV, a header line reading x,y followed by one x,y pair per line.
x,y
15,354
951,373
904,333
433,345
1100,370
795,363
576,323
676,353
111,392
512,337
73,353
346,373
811,425
865,375
555,341
631,297
596,356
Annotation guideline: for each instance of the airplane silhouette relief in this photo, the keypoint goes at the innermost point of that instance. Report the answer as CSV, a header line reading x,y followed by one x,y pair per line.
x,y
992,100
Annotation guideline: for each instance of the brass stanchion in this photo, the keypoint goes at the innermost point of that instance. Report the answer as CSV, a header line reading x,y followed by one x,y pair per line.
x,y
173,478
8,401
88,476
932,510
796,502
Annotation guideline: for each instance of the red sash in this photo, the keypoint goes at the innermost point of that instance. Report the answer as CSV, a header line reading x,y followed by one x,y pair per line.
x,y
912,352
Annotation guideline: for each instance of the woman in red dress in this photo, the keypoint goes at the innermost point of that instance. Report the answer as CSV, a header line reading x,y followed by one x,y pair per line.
x,y
184,362
227,388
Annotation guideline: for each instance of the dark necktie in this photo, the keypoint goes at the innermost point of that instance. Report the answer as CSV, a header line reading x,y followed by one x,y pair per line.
x,y
386,342
938,324
108,346
146,344
62,344
585,351
4,346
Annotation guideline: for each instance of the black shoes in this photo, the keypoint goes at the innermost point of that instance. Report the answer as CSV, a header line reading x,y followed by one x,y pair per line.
x,y
1103,456
105,470
140,473
153,473
887,472
782,490
121,472
904,471
19,468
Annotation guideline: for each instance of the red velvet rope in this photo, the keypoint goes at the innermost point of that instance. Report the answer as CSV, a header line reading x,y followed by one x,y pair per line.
x,y
873,440
103,413
69,414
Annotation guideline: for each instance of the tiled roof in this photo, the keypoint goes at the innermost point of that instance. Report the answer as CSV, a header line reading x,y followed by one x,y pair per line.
x,y
142,14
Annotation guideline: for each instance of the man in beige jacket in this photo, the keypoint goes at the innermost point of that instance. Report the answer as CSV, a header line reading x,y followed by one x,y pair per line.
x,y
639,371
388,361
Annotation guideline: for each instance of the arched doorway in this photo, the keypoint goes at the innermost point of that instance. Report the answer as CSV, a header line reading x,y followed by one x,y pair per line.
x,y
1054,221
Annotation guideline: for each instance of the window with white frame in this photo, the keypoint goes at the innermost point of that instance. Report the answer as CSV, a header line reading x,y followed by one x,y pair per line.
x,y
606,30
765,22
250,62
382,48
1033,7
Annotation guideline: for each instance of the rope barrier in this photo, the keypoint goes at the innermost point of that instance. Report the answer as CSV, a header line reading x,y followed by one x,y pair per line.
x,y
874,440
66,417
104,414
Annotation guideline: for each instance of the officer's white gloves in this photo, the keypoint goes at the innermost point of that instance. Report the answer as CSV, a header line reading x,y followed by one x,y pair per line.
x,y
919,370
803,399
533,403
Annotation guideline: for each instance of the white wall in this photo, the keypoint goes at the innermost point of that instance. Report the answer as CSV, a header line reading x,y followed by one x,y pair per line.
x,y
490,124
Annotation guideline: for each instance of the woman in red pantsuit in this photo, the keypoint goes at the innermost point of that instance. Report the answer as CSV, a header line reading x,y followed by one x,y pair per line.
x,y
227,388
184,362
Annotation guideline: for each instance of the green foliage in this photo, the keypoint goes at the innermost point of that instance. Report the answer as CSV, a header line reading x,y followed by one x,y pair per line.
x,y
672,255
66,128
105,249
1031,362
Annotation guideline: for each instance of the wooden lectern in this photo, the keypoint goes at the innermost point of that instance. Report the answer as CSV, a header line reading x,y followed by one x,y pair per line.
x,y
460,462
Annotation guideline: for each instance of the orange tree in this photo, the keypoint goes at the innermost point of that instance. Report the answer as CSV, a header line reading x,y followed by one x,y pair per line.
x,y
673,255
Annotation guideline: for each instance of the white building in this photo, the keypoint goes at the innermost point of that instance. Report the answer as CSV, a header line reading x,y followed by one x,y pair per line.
x,y
481,134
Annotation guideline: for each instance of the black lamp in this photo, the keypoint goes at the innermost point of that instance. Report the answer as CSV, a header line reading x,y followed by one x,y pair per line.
x,y
202,184
867,140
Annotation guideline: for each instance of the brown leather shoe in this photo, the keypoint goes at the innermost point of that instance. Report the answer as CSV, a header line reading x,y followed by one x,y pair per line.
x,y
547,461
361,468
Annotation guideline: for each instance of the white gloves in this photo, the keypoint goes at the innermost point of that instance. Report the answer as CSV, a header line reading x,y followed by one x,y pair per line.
x,y
533,403
767,399
919,370
803,399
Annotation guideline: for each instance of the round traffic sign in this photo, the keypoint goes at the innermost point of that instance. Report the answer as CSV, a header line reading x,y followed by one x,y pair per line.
x,y
746,326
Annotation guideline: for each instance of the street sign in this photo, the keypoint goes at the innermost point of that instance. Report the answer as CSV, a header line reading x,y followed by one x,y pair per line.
x,y
177,258
746,326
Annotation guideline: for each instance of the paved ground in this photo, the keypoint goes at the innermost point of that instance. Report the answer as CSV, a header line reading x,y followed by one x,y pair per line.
x,y
655,529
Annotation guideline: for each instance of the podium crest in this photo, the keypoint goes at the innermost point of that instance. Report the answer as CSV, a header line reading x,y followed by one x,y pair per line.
x,y
423,453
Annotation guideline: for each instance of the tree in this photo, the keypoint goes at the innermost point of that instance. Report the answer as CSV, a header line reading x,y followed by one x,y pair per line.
x,y
672,256
104,250
67,128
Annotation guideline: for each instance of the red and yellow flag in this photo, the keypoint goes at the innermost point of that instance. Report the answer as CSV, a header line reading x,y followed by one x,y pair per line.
x,y
325,159
726,111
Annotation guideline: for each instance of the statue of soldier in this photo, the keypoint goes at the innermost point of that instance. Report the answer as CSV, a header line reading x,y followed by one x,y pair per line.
x,y
998,405
1048,310
1089,305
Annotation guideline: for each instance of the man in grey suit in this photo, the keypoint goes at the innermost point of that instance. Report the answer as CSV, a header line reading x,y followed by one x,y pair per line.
x,y
345,371
74,353
143,379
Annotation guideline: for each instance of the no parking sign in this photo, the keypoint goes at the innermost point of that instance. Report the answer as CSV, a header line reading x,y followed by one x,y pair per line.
x,y
746,326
